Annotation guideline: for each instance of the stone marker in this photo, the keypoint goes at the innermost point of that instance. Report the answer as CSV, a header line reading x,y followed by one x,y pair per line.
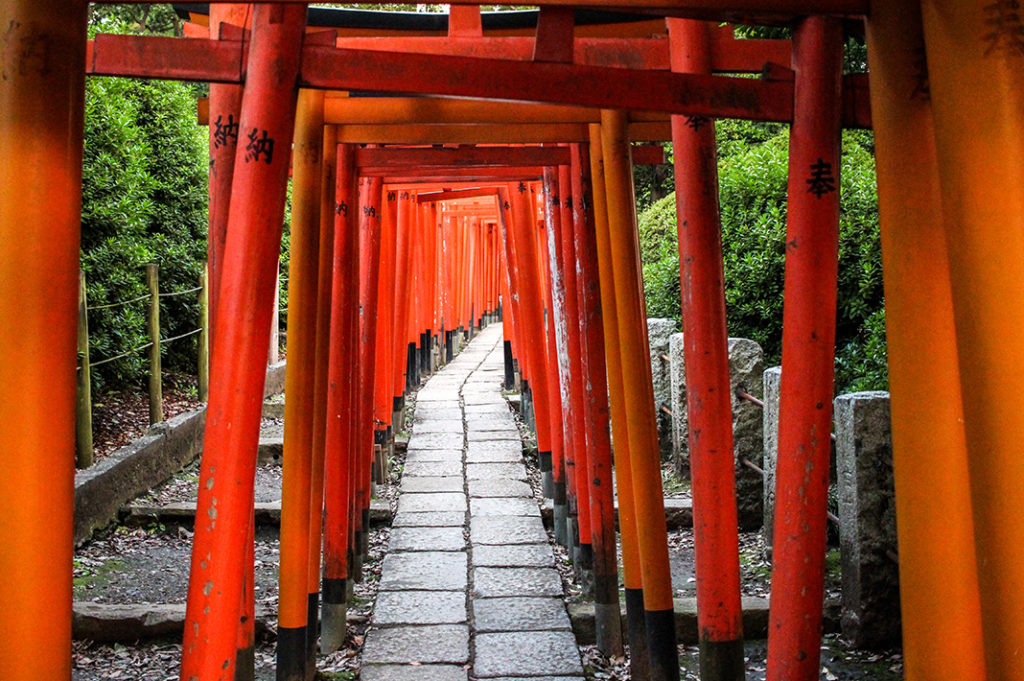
x,y
677,403
659,332
746,369
772,384
867,520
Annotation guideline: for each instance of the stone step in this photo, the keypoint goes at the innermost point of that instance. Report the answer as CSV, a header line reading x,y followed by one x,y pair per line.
x,y
267,513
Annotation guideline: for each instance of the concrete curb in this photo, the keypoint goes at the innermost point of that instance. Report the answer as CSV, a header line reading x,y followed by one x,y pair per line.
x,y
267,513
101,490
755,620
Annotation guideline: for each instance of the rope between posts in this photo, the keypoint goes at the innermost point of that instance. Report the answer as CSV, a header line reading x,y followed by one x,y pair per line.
x,y
123,354
184,335
171,294
123,302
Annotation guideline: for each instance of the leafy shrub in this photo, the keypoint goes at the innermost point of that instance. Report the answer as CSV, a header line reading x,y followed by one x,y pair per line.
x,y
144,200
752,180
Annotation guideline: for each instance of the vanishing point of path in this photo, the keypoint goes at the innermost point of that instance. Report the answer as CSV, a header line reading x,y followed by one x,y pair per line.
x,y
468,588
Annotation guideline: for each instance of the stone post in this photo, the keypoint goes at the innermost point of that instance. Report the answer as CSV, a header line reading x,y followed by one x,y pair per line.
x,y
867,520
658,333
746,368
677,398
771,384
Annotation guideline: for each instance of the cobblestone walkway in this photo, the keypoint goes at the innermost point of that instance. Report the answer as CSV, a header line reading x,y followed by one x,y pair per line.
x,y
468,588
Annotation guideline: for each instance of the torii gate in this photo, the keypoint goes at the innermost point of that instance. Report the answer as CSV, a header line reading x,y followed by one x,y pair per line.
x,y
973,191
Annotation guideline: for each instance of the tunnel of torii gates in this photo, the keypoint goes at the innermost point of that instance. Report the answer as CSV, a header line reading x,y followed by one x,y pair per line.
x,y
417,218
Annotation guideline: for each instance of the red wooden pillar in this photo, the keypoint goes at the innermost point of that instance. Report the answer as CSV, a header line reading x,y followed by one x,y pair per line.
x,y
407,228
300,397
383,337
370,200
567,249
225,110
41,92
556,482
521,249
808,355
225,500
338,453
607,618
706,354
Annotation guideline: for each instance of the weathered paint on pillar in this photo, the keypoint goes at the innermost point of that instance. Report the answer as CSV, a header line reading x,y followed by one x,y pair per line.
x,y
225,499
705,348
808,354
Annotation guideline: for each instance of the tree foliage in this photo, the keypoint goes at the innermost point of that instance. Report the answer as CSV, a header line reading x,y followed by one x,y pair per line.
x,y
752,177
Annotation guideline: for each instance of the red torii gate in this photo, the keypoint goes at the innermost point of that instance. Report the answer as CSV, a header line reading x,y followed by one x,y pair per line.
x,y
970,55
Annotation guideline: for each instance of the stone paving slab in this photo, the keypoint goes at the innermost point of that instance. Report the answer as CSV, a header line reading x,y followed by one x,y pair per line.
x,y
437,395
503,506
513,555
536,678
513,446
486,408
422,455
420,607
432,425
436,411
427,672
432,469
550,652
430,519
520,614
427,644
500,582
435,440
499,456
427,485
496,471
428,571
507,530
499,488
485,422
427,539
489,435
439,501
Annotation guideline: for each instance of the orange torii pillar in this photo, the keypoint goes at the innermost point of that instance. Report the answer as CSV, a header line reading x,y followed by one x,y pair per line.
x,y
370,200
297,466
706,352
41,95
940,610
558,354
224,507
323,325
339,452
808,355
638,391
607,617
975,56
631,571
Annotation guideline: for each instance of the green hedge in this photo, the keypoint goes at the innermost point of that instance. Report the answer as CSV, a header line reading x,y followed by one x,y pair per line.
x,y
752,177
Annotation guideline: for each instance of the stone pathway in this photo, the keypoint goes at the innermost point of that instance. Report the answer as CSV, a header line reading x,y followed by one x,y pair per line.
x,y
468,588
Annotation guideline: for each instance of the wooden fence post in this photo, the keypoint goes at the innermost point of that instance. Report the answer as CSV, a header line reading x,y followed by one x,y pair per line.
x,y
156,410
83,420
204,334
